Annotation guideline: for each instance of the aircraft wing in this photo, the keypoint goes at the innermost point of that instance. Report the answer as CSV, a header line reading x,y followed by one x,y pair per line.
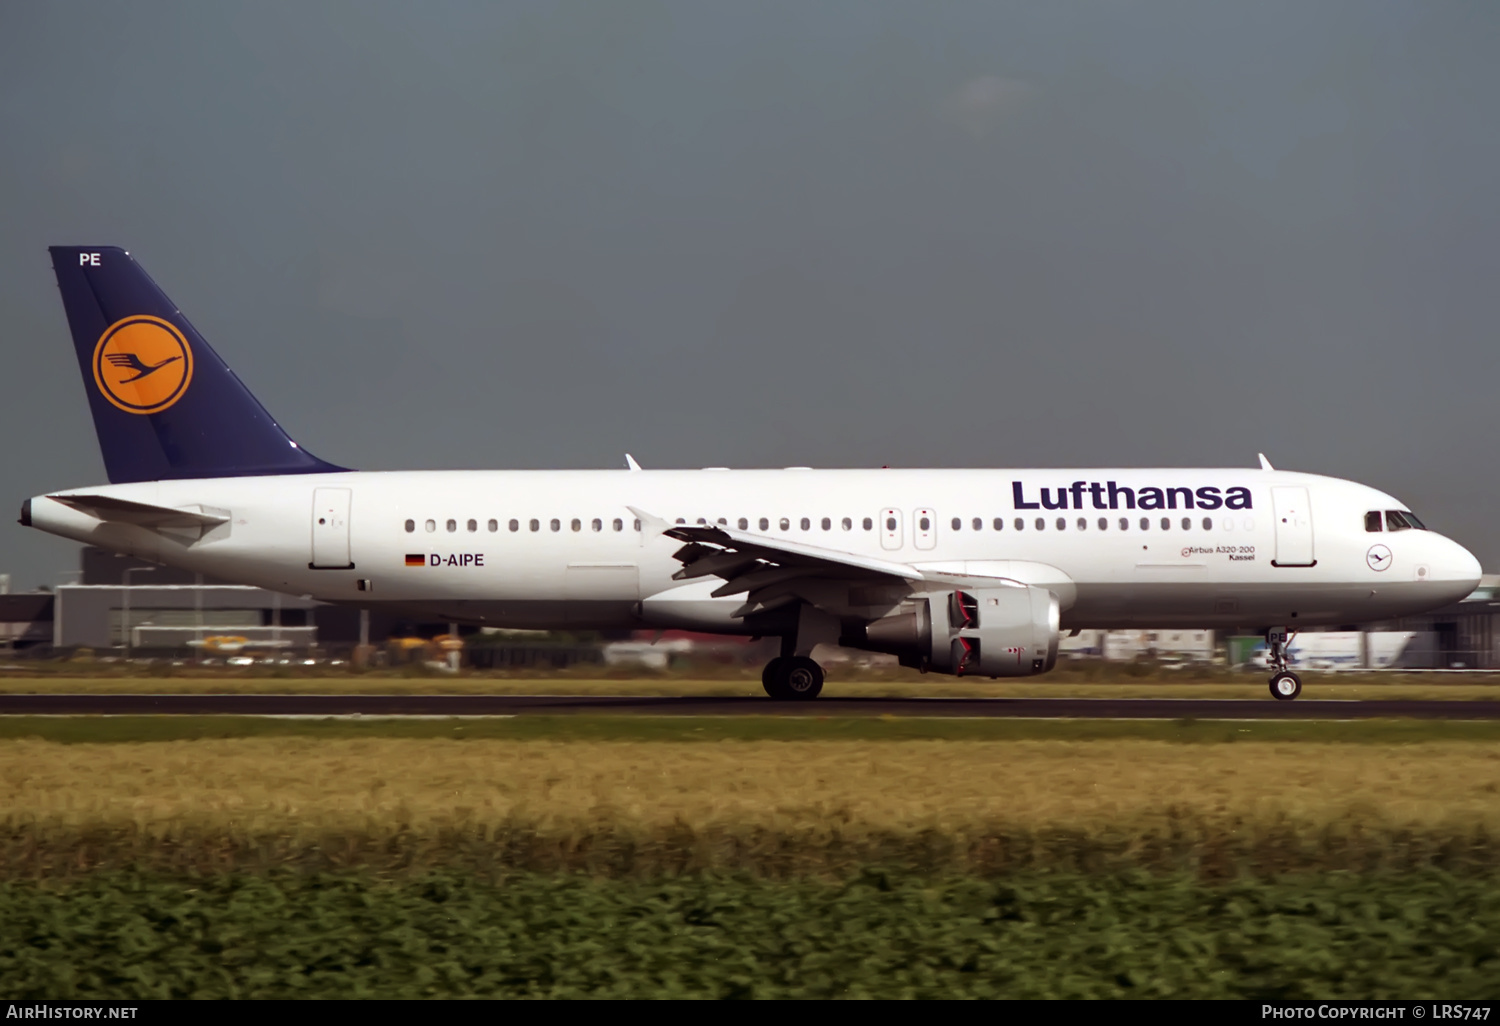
x,y
142,514
741,558
772,572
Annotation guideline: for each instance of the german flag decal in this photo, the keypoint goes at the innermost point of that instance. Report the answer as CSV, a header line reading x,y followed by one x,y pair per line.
x,y
416,559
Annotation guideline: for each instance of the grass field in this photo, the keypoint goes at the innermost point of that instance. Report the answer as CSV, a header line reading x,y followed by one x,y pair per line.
x,y
770,727
1358,687
786,807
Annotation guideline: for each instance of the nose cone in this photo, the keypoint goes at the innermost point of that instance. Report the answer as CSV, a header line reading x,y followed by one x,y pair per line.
x,y
1458,568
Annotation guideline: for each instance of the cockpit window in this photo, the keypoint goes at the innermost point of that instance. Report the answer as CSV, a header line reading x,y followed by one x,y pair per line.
x,y
1372,521
1402,520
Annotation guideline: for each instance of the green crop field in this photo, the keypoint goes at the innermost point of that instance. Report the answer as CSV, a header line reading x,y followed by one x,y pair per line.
x,y
121,935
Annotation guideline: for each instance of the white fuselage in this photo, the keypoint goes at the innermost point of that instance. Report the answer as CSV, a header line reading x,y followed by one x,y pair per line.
x,y
560,549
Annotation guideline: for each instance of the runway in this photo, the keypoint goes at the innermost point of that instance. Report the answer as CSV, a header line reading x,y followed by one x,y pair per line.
x,y
536,705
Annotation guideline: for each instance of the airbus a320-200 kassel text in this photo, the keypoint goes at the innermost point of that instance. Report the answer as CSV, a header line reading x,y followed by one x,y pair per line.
x,y
967,572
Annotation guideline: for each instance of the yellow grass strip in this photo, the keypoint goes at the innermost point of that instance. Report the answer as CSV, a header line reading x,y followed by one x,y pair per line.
x,y
248,785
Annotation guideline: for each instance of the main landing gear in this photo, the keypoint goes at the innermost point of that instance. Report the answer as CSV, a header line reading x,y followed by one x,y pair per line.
x,y
1285,685
790,678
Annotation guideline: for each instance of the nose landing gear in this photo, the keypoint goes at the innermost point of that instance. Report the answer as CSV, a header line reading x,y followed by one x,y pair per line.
x,y
1285,685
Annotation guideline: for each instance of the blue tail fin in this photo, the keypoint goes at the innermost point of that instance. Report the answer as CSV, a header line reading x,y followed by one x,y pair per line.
x,y
165,406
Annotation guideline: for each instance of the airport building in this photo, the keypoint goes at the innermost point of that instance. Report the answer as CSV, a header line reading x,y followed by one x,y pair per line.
x,y
127,604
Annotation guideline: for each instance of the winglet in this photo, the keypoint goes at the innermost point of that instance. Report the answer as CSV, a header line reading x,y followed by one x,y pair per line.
x,y
1265,464
649,523
631,463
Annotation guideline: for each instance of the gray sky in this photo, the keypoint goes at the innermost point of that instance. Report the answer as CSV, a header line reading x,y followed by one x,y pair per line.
x,y
763,234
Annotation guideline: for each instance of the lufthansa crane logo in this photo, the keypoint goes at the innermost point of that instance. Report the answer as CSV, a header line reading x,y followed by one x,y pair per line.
x,y
142,364
1378,558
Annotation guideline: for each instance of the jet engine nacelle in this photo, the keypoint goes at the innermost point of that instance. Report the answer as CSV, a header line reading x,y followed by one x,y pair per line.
x,y
1007,631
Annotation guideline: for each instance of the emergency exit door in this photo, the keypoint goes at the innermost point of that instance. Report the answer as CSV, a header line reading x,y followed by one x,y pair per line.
x,y
890,528
330,530
1294,528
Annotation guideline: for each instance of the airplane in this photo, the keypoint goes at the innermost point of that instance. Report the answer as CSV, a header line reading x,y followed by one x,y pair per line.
x,y
973,573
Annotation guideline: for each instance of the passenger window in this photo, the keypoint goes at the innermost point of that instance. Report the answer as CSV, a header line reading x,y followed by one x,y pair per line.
x,y
806,524
958,525
744,524
597,524
1124,524
536,525
978,524
1187,523
493,525
577,524
1083,525
924,524
1041,525
723,522
515,525
999,524
1104,523
431,526
1062,523
786,524
411,525
1020,524
1166,523
556,525
452,526
1208,523
848,524
1372,521
890,523
827,524
618,524
473,526
1145,523
765,525
868,524
637,526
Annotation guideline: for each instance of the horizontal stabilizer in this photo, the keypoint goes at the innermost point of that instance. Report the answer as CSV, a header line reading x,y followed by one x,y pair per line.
x,y
142,514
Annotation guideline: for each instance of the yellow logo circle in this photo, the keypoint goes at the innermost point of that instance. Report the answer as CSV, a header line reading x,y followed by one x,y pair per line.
x,y
142,364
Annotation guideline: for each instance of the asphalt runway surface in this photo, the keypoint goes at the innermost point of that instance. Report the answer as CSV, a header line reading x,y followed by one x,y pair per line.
x,y
520,705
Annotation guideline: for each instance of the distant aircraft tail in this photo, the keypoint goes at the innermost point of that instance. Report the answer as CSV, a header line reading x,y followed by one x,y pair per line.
x,y
165,405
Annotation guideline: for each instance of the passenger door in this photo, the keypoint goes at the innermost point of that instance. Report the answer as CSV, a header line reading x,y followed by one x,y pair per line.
x,y
1294,528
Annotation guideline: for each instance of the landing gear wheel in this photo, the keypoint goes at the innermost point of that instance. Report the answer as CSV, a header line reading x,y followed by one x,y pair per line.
x,y
1286,686
800,678
771,678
